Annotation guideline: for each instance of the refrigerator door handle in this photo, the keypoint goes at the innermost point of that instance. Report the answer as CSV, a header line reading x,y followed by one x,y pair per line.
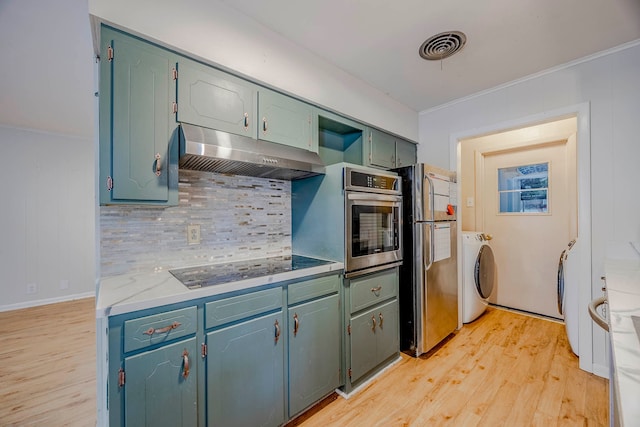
x,y
432,200
431,246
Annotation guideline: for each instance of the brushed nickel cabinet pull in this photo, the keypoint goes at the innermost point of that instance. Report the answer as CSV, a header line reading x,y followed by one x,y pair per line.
x,y
376,290
152,331
185,364
277,327
246,121
381,319
296,324
373,323
158,164
264,125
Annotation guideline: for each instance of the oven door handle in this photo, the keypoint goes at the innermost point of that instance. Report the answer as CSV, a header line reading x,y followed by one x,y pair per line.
x,y
428,265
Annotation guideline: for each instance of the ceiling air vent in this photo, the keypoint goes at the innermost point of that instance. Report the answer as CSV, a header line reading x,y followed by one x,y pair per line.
x,y
442,45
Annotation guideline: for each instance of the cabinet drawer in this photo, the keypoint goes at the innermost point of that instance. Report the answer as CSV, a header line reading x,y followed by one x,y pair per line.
x,y
242,306
314,288
372,289
157,328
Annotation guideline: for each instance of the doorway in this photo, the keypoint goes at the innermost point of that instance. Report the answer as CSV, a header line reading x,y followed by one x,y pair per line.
x,y
588,280
519,186
527,206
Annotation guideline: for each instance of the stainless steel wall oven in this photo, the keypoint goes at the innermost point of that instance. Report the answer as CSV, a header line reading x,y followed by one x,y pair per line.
x,y
352,214
373,215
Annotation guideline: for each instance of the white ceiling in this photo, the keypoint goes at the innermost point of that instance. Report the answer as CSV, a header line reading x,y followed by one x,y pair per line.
x,y
377,41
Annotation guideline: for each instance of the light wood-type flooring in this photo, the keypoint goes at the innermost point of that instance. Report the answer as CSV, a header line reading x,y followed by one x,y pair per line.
x,y
505,369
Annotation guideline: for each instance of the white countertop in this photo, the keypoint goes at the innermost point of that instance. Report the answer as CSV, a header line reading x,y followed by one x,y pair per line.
x,y
131,292
623,295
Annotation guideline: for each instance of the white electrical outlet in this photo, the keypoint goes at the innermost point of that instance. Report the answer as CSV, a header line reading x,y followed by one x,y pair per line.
x,y
470,202
64,284
193,234
32,288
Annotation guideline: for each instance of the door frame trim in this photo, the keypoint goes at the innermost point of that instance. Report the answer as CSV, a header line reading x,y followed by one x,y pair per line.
x,y
583,148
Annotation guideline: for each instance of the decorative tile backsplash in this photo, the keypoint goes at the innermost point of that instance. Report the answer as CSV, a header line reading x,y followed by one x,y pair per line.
x,y
240,218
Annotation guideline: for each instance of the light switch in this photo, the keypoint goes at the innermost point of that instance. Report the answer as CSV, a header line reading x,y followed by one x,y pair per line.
x,y
470,202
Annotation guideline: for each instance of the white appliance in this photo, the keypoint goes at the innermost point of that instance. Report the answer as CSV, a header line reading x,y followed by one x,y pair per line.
x,y
568,293
478,274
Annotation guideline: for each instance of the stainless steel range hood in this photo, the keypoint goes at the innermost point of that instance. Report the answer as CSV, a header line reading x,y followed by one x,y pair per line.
x,y
215,151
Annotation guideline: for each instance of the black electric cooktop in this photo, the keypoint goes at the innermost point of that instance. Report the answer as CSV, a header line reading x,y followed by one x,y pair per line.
x,y
217,274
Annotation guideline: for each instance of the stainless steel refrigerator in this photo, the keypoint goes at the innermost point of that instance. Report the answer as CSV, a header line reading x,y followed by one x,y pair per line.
x,y
429,274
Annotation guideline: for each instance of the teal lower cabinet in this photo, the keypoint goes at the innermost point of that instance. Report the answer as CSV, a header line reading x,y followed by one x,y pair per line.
x,y
153,368
245,374
161,386
314,351
254,358
372,337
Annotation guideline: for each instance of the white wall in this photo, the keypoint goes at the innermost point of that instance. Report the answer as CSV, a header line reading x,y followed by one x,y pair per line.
x,y
47,219
214,32
610,84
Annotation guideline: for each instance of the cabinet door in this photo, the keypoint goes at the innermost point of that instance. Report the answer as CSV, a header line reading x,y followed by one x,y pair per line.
x,y
285,120
371,343
387,331
217,100
382,149
405,153
138,142
314,351
245,374
363,344
161,386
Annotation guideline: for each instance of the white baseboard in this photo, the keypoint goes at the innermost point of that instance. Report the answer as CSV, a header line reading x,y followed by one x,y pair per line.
x,y
36,303
367,382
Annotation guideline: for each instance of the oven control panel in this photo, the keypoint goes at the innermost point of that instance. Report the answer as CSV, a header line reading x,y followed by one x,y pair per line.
x,y
372,181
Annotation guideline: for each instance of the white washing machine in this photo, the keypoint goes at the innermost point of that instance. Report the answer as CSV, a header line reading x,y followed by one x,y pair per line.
x,y
478,274
568,293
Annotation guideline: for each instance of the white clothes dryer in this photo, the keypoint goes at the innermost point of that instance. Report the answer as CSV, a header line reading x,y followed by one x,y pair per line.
x,y
478,274
568,293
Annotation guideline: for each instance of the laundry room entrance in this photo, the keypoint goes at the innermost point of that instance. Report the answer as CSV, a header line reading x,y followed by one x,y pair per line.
x,y
520,188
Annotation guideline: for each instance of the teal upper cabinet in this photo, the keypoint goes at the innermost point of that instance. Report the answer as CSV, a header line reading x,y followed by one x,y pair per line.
x,y
138,138
217,100
386,151
405,153
382,148
285,120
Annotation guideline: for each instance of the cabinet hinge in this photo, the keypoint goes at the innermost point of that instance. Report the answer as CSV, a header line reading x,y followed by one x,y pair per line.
x,y
121,378
174,106
203,350
109,53
349,329
174,73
